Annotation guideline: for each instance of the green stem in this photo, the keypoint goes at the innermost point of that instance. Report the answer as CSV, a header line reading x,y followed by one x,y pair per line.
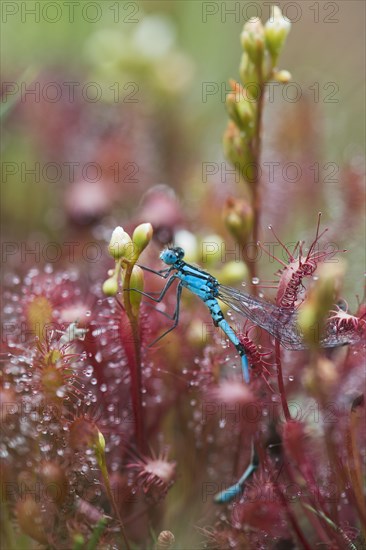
x,y
105,475
256,184
332,524
96,534
257,157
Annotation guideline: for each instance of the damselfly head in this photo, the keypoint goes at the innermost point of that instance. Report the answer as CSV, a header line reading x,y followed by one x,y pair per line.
x,y
172,255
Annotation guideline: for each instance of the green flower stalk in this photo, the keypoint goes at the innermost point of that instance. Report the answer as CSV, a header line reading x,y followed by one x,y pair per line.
x,y
136,283
262,46
96,534
99,450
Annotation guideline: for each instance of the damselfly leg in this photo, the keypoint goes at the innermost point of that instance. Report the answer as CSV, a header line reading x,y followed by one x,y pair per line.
x,y
227,495
174,318
164,273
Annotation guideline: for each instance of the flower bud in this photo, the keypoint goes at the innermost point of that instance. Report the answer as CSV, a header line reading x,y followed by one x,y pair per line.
x,y
276,30
233,273
188,241
314,311
78,541
252,39
241,111
241,108
283,77
238,152
110,286
137,282
238,216
141,237
211,247
121,245
99,449
249,77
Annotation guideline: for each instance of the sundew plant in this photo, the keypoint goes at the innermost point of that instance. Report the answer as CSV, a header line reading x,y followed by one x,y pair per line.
x,y
193,375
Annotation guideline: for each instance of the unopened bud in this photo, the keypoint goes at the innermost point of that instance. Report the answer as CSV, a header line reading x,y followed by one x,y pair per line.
x,y
241,108
238,216
276,30
99,449
252,39
142,236
249,77
110,286
188,241
238,152
314,311
78,542
233,272
211,248
283,77
121,245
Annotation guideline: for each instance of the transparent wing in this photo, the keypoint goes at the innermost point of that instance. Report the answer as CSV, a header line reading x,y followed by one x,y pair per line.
x,y
280,322
334,337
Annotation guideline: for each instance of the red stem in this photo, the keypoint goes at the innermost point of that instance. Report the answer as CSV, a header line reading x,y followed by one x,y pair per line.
x,y
132,345
281,385
289,512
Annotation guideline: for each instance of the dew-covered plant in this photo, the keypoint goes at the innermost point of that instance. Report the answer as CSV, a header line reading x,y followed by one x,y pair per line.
x,y
115,439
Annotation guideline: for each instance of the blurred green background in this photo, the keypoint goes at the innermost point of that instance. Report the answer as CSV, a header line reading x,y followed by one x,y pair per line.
x,y
326,44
